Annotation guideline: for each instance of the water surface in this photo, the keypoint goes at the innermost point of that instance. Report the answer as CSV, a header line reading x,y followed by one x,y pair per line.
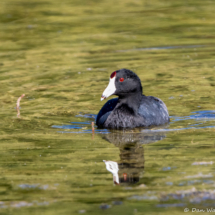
x,y
60,54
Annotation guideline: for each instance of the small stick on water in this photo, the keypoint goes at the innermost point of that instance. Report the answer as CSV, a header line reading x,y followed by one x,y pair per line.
x,y
93,130
93,127
18,104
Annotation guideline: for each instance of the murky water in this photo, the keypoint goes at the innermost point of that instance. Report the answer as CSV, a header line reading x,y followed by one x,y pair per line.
x,y
60,55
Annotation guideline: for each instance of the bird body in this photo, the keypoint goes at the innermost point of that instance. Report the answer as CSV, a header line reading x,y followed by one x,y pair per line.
x,y
131,109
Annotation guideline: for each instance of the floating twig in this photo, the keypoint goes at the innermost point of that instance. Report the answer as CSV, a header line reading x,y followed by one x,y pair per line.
x,y
93,130
18,104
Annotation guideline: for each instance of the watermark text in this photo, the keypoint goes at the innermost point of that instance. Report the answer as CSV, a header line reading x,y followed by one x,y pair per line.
x,y
197,210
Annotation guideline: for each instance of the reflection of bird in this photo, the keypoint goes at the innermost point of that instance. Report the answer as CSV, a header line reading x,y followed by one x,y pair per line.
x,y
130,145
131,163
121,138
112,167
131,109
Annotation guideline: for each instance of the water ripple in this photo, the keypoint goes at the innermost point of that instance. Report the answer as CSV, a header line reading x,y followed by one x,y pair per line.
x,y
162,48
201,117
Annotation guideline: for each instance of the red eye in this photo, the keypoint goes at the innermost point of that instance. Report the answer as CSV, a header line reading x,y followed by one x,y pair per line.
x,y
121,79
113,75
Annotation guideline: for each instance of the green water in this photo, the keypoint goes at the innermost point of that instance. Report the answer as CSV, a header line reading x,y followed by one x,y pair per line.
x,y
60,54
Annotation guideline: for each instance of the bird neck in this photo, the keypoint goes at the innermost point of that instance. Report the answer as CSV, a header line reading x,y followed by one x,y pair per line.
x,y
131,100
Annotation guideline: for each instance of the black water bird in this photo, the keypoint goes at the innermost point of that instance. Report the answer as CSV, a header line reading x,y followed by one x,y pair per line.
x,y
131,109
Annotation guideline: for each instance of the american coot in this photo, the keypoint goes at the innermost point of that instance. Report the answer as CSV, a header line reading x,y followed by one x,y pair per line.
x,y
131,109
